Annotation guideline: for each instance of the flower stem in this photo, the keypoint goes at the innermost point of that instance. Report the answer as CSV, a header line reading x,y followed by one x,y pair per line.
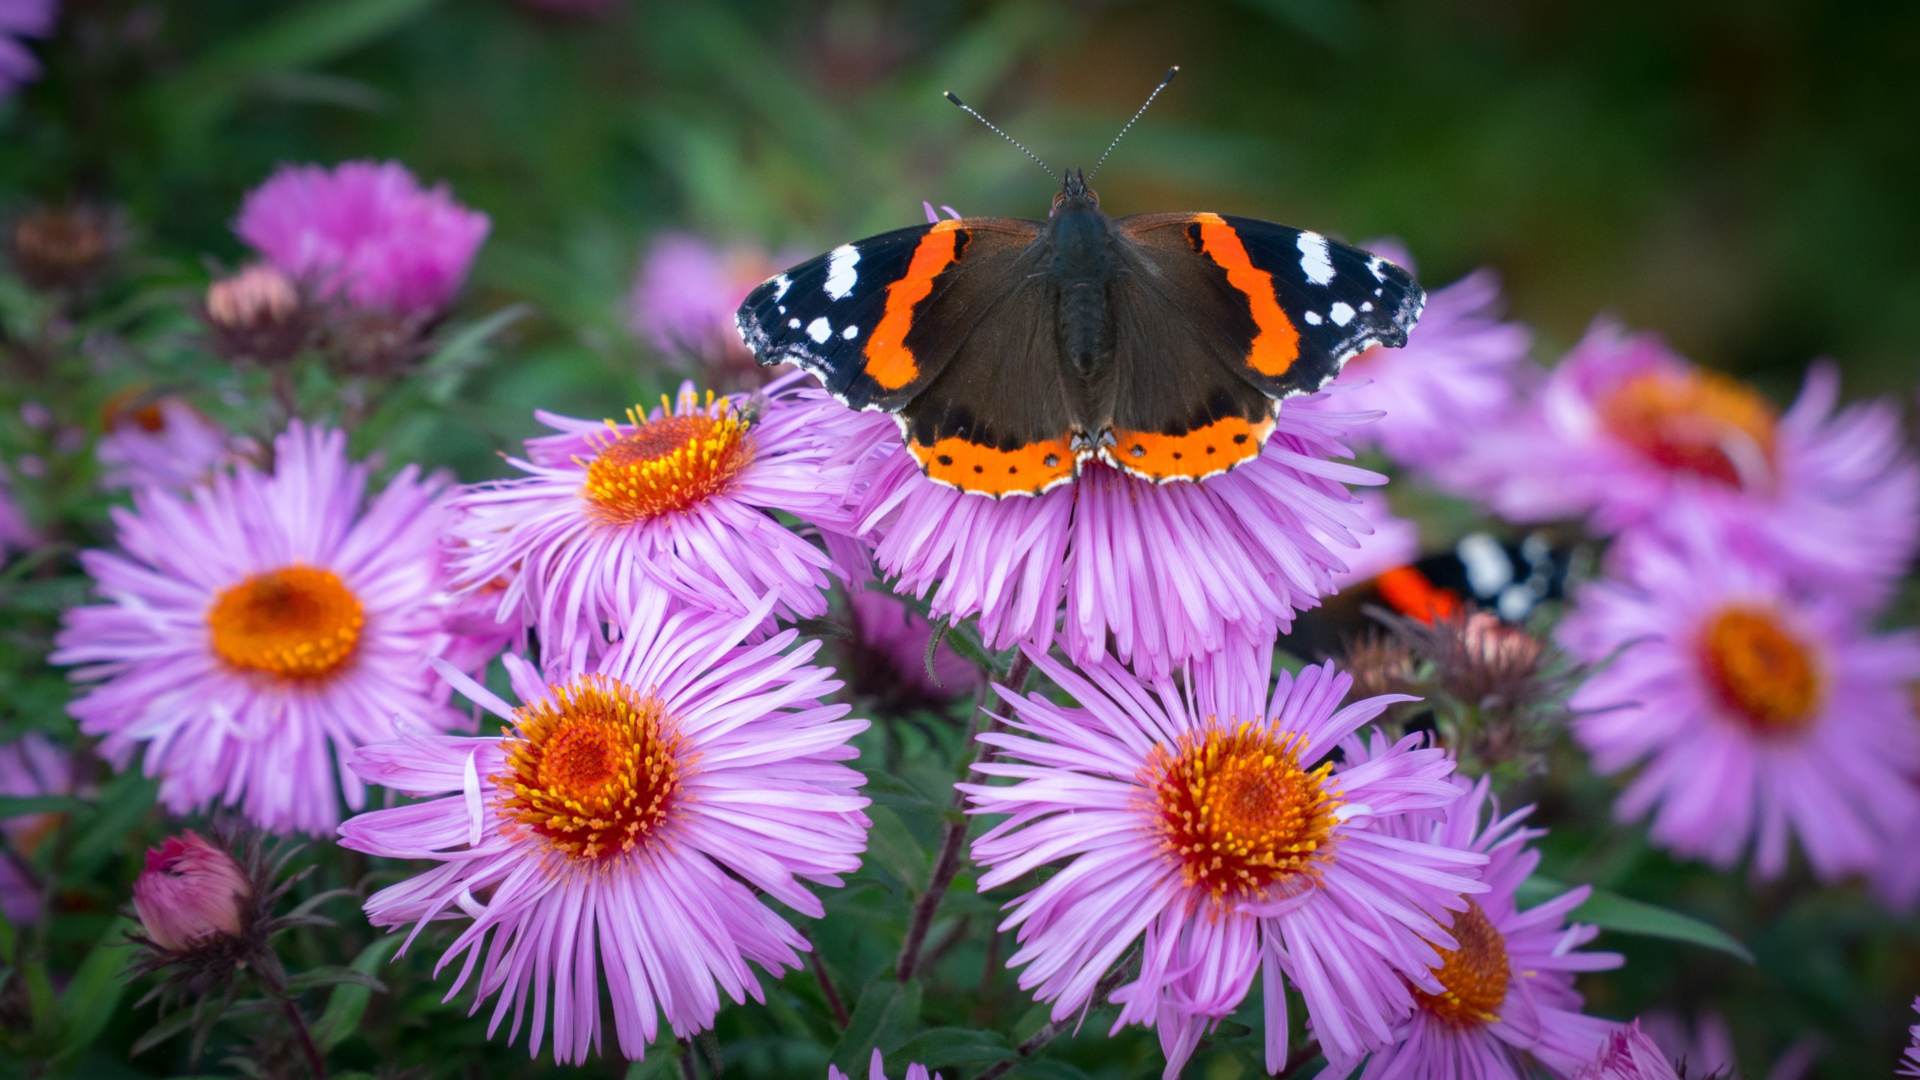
x,y
827,991
953,840
294,1020
1052,1029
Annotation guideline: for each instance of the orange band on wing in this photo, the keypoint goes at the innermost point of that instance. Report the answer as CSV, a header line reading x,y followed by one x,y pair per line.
x,y
889,362
1409,592
1278,344
1199,453
970,466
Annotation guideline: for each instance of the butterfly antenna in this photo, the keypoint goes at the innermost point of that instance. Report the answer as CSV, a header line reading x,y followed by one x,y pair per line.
x,y
1171,72
1016,142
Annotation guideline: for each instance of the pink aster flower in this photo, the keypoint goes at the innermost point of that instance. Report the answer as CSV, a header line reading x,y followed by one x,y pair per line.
x,y
1910,1060
684,297
1169,572
366,231
886,658
20,19
1209,825
1623,429
877,1071
1706,1049
1509,1002
620,830
1456,375
29,767
1627,1054
190,891
1760,712
165,443
259,628
681,499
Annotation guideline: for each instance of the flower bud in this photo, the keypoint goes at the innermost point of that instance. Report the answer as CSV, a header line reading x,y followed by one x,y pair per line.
x,y
1628,1055
190,891
64,249
257,314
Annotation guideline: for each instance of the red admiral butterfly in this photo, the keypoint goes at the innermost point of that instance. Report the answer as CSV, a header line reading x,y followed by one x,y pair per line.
x,y
1011,351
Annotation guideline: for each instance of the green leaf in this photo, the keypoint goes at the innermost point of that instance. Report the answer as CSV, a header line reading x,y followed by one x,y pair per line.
x,y
451,363
349,1001
942,1047
20,805
1623,915
894,847
94,993
886,1011
123,802
330,975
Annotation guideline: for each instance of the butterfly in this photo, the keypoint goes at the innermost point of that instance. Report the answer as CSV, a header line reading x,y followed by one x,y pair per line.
x,y
1013,352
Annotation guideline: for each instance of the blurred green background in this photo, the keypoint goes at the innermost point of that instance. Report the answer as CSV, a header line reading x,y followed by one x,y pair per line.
x,y
1741,176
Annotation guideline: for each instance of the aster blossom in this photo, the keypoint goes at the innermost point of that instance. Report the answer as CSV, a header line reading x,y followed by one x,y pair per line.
x,y
29,766
366,232
1761,712
1170,572
1623,429
164,443
1910,1059
1628,1054
1509,1003
260,627
1456,374
619,830
877,1070
679,500
21,19
1210,826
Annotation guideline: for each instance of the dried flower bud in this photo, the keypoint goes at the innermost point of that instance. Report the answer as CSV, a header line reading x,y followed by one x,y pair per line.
x,y
1628,1055
190,892
377,343
257,314
64,249
1382,664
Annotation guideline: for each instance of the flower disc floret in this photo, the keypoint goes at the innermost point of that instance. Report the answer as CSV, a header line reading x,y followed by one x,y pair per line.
x,y
1242,817
297,623
1699,422
669,463
1761,671
1475,975
595,768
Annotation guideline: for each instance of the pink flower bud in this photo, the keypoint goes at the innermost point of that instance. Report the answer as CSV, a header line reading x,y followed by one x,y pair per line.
x,y
189,892
1628,1055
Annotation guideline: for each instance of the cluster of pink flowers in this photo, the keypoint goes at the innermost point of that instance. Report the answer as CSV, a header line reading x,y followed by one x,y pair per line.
x,y
672,785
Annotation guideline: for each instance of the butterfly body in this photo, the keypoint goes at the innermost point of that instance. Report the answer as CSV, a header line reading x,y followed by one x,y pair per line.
x,y
1013,352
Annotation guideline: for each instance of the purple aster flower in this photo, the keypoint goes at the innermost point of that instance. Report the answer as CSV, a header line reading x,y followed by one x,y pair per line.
x,y
1705,1049
620,830
1169,572
259,628
366,231
681,499
1456,375
1623,429
878,1072
1209,825
1759,711
886,658
1627,1054
1910,1060
22,19
165,443
1509,1001
29,766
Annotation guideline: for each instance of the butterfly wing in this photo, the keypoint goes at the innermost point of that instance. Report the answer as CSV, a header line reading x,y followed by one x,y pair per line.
x,y
1218,317
859,318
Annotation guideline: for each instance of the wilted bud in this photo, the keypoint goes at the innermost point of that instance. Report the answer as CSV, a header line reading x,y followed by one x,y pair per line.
x,y
377,343
190,892
64,249
1628,1055
1382,664
257,314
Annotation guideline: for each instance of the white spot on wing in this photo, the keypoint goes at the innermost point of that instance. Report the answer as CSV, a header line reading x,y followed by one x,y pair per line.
x,y
780,286
1315,260
850,333
1374,264
1341,313
1367,306
1313,318
793,324
840,272
819,330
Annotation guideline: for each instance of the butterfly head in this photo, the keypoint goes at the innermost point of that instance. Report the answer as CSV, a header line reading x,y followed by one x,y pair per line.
x,y
1074,194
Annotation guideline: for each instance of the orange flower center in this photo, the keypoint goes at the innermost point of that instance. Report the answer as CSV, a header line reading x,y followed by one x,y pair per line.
x,y
1702,423
1473,977
1239,813
666,464
1760,671
595,770
297,622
